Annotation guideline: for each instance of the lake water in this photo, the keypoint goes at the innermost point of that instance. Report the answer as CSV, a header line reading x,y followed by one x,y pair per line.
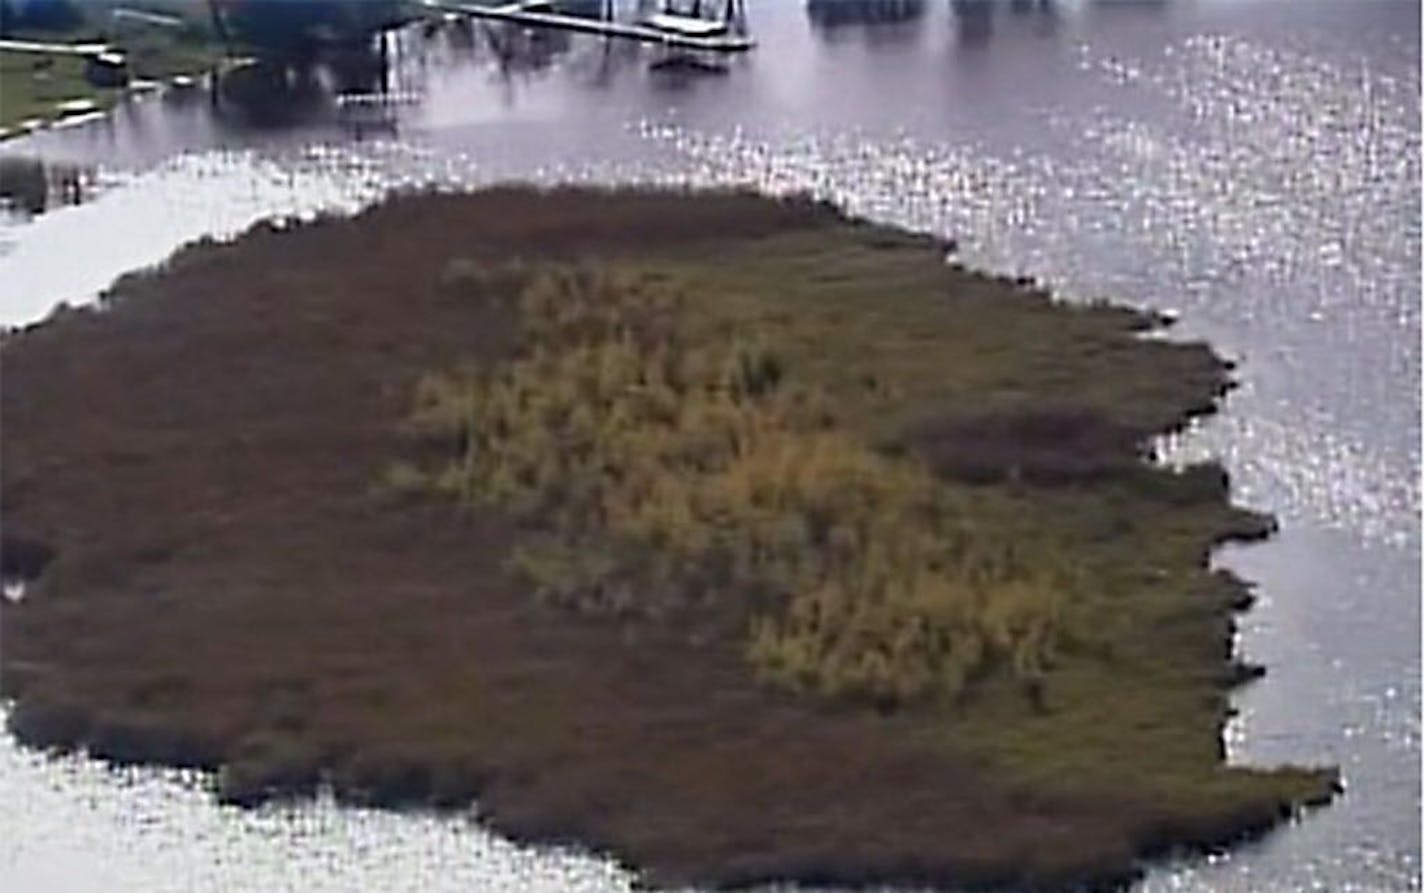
x,y
1252,165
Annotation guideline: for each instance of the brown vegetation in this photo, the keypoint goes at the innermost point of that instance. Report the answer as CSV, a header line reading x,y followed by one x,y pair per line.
x,y
249,573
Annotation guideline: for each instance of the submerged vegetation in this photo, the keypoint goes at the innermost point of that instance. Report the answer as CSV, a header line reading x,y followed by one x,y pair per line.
x,y
735,537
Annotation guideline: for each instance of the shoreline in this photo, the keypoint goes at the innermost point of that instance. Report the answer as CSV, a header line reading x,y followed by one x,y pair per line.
x,y
55,90
559,768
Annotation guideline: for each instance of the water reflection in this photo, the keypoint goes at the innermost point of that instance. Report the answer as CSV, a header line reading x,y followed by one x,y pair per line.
x,y
352,85
975,20
30,186
875,22
833,13
520,50
520,54
1136,5
1042,11
272,95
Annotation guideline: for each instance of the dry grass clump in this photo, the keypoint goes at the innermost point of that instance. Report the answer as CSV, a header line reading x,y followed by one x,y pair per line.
x,y
671,461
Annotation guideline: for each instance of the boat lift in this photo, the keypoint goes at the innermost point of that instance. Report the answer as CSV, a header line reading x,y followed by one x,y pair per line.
x,y
667,27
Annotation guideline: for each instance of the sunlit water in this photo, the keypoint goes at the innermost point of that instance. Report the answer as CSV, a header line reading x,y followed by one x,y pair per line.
x,y
1253,166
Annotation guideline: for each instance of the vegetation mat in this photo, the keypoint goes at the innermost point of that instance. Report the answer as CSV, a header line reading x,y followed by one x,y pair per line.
x,y
728,535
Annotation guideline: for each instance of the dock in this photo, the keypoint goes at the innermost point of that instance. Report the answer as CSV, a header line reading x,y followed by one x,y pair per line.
x,y
680,32
54,49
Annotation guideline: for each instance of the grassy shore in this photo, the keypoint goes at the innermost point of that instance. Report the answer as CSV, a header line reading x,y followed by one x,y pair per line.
x,y
35,87
731,536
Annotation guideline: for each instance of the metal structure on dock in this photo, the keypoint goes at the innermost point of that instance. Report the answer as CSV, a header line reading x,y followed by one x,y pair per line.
x,y
685,26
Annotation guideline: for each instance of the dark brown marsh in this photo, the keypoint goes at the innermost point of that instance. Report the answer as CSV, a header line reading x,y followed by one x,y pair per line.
x,y
247,572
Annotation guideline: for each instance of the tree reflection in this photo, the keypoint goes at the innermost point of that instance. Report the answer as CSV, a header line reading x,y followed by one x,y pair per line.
x,y
835,13
272,94
32,186
974,21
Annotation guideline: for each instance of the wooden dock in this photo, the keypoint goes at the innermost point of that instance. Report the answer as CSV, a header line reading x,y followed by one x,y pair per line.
x,y
679,32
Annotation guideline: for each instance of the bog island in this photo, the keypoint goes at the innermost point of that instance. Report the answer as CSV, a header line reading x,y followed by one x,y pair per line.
x,y
730,536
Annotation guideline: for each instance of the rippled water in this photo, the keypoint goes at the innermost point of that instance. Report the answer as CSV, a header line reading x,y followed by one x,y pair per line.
x,y
1253,165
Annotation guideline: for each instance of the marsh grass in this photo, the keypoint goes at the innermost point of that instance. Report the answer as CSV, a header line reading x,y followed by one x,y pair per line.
x,y
671,459
670,494
896,484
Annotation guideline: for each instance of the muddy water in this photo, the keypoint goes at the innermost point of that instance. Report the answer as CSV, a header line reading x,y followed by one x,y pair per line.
x,y
1251,165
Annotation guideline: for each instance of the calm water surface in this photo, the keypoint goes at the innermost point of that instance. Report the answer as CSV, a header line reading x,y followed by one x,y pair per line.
x,y
1252,165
